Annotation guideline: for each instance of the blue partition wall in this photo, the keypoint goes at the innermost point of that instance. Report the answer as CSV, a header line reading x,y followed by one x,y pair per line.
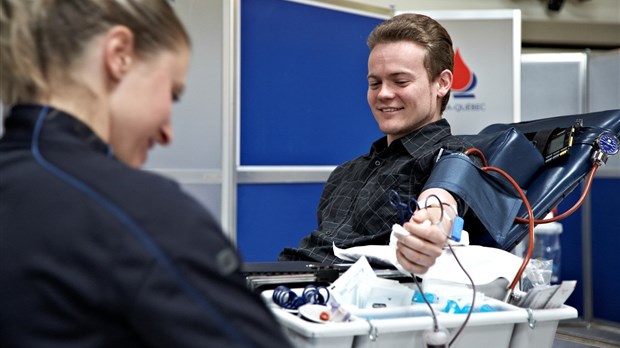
x,y
605,200
303,102
605,248
303,84
275,216
571,248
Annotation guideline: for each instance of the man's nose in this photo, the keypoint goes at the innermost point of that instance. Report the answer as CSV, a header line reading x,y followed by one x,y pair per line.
x,y
385,92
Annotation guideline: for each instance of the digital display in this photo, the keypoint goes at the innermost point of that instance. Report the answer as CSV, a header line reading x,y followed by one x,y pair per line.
x,y
557,143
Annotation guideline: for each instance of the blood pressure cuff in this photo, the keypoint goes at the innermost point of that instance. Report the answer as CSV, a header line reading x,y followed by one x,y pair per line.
x,y
489,195
495,202
511,151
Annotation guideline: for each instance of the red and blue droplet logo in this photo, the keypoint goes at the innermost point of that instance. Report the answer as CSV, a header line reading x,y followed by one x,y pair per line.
x,y
464,80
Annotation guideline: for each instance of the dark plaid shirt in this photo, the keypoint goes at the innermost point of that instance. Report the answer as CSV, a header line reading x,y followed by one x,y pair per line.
x,y
354,209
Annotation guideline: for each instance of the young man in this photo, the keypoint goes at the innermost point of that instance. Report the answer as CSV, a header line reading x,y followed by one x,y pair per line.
x,y
409,79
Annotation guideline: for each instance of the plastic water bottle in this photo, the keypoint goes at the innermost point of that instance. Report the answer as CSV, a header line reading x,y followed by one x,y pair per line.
x,y
547,246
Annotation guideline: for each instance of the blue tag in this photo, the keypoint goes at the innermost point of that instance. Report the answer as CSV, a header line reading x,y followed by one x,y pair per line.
x,y
457,228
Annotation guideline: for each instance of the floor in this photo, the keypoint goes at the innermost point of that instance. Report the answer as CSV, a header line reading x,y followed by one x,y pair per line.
x,y
580,334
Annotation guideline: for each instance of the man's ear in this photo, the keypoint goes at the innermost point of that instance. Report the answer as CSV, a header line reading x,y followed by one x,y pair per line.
x,y
444,83
118,51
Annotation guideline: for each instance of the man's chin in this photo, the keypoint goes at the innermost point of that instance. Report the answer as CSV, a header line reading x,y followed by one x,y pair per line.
x,y
391,130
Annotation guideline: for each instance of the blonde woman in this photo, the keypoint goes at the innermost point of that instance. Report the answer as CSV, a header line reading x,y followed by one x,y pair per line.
x,y
93,251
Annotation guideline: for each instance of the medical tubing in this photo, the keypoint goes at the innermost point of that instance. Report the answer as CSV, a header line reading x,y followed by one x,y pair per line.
x,y
479,153
216,317
433,315
415,279
557,217
473,285
530,215
288,299
473,299
312,294
426,205
526,203
530,220
575,206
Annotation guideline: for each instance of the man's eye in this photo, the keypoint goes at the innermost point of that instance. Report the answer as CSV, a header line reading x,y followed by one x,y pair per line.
x,y
176,97
374,85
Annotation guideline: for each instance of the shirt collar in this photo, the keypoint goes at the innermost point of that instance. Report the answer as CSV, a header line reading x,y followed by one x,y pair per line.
x,y
417,140
57,124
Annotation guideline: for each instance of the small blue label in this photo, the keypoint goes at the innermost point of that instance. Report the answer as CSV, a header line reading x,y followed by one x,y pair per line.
x,y
457,229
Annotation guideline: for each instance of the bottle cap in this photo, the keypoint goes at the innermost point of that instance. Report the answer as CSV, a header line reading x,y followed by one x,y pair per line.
x,y
550,228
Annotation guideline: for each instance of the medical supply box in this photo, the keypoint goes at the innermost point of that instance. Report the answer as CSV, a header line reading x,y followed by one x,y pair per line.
x,y
507,326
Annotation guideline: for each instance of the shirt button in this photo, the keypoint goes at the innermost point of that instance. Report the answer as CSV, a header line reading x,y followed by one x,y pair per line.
x,y
377,163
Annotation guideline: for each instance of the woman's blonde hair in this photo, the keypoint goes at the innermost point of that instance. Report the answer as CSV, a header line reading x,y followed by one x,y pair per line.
x,y
41,39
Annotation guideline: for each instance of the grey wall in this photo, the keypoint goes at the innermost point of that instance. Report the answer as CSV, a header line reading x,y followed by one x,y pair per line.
x,y
554,84
195,156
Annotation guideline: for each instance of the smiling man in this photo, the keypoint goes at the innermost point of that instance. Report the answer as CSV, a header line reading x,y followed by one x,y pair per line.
x,y
409,78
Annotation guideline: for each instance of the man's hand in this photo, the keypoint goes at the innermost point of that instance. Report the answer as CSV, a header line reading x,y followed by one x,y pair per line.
x,y
418,251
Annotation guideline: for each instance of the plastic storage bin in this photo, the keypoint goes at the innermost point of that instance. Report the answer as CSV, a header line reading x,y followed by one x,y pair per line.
x,y
509,326
540,329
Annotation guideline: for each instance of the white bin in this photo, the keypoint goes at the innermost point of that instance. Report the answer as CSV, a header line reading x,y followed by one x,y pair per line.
x,y
405,327
540,329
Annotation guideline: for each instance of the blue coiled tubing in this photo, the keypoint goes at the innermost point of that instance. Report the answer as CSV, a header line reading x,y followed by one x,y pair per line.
x,y
312,294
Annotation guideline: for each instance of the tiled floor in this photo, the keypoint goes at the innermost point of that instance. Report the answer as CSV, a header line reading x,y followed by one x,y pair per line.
x,y
580,334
